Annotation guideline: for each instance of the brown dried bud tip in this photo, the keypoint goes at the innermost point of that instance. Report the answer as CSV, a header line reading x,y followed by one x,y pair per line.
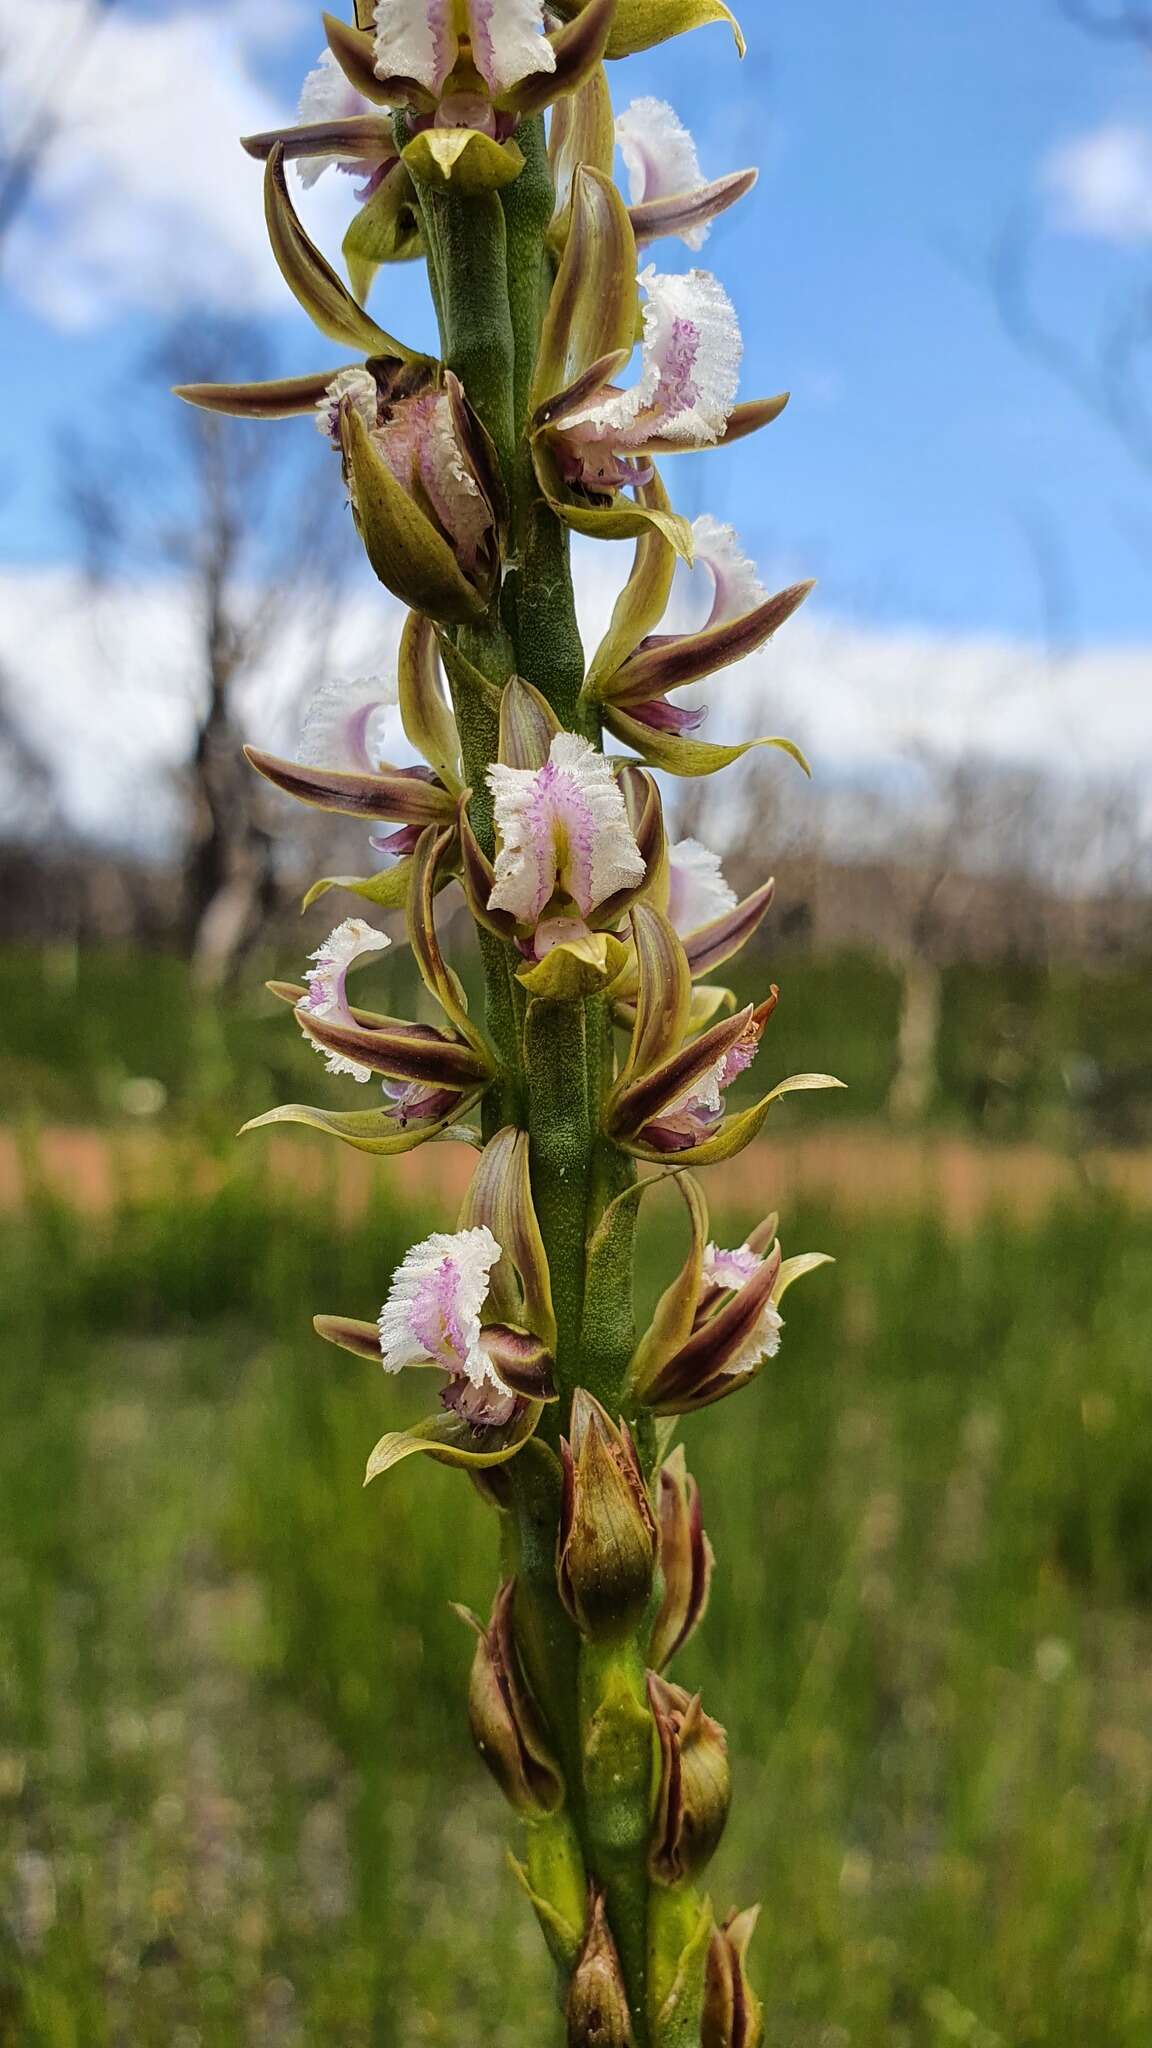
x,y
695,1783
598,2014
685,1560
505,1721
732,2013
606,1553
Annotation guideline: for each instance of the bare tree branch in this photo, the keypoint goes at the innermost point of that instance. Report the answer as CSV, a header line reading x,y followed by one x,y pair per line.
x,y
21,161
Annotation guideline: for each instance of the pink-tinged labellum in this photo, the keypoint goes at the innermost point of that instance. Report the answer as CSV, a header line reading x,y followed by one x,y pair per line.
x,y
686,388
563,831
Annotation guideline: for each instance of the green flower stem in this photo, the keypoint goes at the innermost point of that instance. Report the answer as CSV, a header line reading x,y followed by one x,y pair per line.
x,y
539,599
471,244
492,275
618,1744
562,1138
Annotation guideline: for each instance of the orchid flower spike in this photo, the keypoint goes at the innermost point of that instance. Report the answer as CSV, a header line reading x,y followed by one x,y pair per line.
x,y
566,846
669,195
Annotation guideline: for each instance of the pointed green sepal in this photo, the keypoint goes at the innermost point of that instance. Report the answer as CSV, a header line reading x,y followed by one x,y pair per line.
x,y
441,981
680,1931
500,1197
644,599
371,1130
553,1881
311,278
453,1441
688,757
386,230
425,713
735,1133
388,890
594,306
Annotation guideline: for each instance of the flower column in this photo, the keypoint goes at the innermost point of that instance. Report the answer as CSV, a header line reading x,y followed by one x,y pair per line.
x,y
603,1045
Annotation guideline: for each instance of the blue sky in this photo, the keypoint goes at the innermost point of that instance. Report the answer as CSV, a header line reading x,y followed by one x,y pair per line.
x,y
935,480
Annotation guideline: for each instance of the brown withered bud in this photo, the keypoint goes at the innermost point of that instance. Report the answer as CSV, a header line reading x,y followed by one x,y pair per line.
x,y
598,2014
505,1721
606,1552
686,1560
695,1783
733,2017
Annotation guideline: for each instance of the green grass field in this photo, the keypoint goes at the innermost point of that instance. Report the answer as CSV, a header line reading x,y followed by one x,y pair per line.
x,y
239,1806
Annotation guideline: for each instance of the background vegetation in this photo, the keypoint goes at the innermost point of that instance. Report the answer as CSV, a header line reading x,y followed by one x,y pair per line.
x,y
238,1800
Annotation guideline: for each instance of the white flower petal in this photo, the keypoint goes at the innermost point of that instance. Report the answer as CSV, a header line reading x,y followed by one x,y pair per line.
x,y
327,95
660,156
351,941
343,724
761,1343
730,1269
737,587
508,41
697,891
359,386
562,827
689,372
432,1314
416,39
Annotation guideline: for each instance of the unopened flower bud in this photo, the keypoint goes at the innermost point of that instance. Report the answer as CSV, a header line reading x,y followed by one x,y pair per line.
x,y
598,2015
732,2013
695,1783
506,1724
685,1560
606,1553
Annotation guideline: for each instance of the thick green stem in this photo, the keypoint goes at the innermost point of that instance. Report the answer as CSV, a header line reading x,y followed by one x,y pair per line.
x,y
492,277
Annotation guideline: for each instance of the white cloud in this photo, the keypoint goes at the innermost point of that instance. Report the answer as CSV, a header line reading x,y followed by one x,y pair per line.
x,y
1102,182
145,198
110,686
